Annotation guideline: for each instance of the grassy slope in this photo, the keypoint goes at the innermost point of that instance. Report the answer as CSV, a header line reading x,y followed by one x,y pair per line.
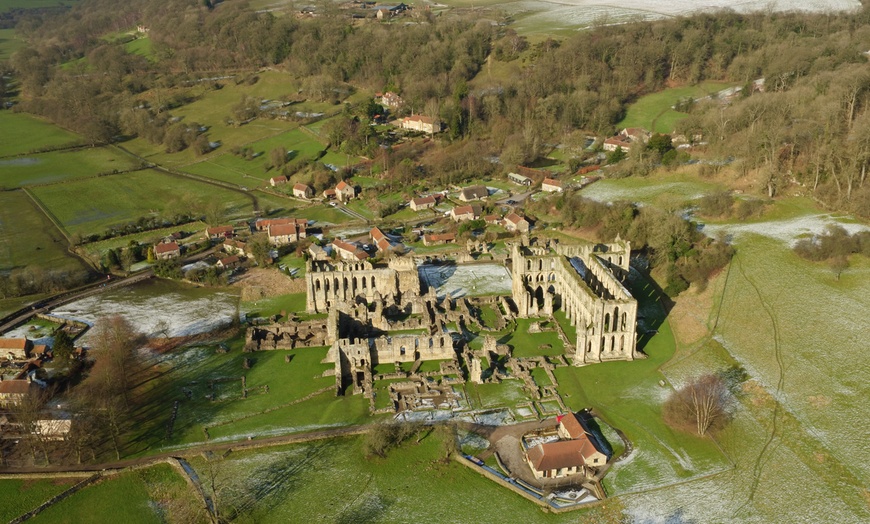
x,y
9,43
93,205
653,111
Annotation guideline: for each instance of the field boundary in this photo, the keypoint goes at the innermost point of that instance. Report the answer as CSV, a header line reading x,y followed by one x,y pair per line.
x,y
45,211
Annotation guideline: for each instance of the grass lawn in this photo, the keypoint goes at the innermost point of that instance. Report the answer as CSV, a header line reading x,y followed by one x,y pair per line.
x,y
332,481
541,378
325,214
21,133
653,112
42,246
489,315
60,166
94,205
9,42
527,344
679,186
20,496
6,5
507,394
141,46
267,307
142,496
216,403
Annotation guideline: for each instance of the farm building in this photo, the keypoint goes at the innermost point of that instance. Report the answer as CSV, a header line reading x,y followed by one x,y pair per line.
x,y
277,180
167,250
344,191
302,191
17,348
439,238
514,222
468,194
463,213
219,232
551,185
517,178
426,202
421,123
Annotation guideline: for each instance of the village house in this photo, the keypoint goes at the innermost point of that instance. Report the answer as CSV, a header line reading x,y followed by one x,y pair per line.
x,y
263,224
551,185
468,194
219,232
41,352
302,191
463,213
12,392
613,143
435,239
381,240
167,250
344,191
278,180
230,262
517,178
317,252
391,100
420,203
16,348
575,453
635,134
329,194
492,220
283,234
348,251
515,223
236,247
421,123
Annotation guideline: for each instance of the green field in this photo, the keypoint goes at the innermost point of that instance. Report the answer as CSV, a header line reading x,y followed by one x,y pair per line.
x,y
21,133
20,496
141,46
94,205
332,481
154,494
252,173
28,238
6,5
653,112
277,411
9,43
60,166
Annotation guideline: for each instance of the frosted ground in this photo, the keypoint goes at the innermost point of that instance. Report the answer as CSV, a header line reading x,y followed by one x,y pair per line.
x,y
462,280
788,230
156,308
547,16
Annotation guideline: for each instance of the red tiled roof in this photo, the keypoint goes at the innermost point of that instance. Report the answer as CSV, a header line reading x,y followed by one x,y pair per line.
x,y
278,179
166,247
572,425
15,387
556,455
514,218
341,186
552,182
301,187
281,230
439,237
229,260
14,343
219,230
377,234
429,199
384,244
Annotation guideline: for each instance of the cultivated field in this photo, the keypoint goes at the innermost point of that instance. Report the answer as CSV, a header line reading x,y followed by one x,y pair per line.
x,y
94,205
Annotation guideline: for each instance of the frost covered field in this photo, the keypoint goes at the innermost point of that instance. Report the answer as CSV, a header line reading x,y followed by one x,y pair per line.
x,y
543,15
158,308
462,280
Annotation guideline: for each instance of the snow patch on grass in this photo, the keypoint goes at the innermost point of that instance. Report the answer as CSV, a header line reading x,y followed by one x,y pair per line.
x,y
789,230
462,280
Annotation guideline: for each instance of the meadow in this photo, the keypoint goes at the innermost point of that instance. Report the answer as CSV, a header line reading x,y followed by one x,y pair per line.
x,y
28,238
20,496
9,43
6,5
150,495
61,166
655,112
94,205
21,133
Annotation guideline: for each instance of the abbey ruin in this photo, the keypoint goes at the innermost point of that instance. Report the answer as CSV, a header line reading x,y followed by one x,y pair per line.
x,y
379,315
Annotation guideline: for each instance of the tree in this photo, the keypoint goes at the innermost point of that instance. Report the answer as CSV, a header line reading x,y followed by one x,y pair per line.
x,y
63,347
261,249
699,406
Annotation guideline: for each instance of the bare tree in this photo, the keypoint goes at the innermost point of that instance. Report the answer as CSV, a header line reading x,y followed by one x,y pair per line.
x,y
698,406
